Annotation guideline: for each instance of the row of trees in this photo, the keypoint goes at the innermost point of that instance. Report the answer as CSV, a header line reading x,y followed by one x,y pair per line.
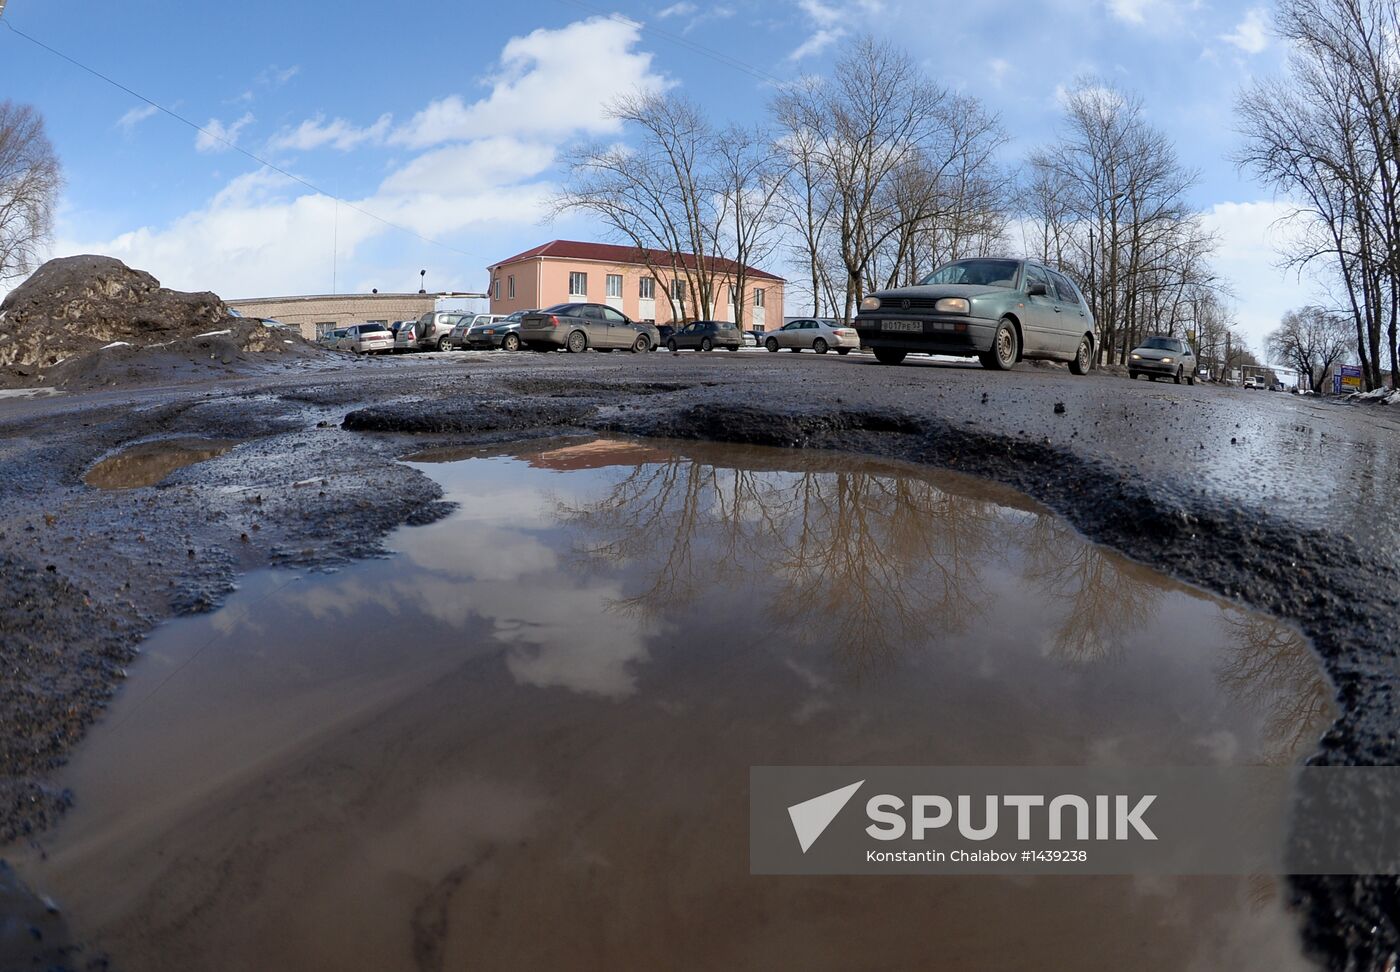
x,y
874,175
1327,135
29,184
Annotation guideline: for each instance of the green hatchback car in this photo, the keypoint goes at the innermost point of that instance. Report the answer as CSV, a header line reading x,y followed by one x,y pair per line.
x,y
999,311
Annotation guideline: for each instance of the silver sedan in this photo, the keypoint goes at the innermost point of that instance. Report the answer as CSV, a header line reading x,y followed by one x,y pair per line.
x,y
817,334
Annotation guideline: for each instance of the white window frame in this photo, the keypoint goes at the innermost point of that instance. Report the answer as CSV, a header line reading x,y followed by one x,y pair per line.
x,y
759,297
578,276
677,289
510,287
646,288
609,289
496,289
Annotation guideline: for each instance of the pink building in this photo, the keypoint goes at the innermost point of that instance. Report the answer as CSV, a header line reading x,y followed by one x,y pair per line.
x,y
600,273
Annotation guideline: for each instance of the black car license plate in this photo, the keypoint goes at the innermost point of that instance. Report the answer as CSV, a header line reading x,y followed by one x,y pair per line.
x,y
901,325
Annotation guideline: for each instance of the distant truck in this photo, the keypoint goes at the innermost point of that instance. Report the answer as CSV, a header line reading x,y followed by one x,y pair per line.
x,y
1255,381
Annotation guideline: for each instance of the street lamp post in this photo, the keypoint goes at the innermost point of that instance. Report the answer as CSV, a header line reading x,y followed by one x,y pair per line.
x,y
422,281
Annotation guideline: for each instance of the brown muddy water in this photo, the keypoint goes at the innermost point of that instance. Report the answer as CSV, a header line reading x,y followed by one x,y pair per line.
x,y
147,463
524,741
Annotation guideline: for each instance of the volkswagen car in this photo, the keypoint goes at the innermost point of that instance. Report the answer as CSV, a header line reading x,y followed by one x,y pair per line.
x,y
1163,357
999,311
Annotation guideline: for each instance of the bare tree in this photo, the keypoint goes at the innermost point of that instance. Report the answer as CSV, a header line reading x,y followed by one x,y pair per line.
x,y
750,177
29,182
1310,340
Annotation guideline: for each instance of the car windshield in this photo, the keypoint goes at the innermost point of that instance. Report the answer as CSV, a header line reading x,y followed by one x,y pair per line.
x,y
560,309
984,273
1161,344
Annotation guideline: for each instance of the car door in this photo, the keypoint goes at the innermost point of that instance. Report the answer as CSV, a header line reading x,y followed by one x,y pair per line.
x,y
621,333
1041,327
1073,319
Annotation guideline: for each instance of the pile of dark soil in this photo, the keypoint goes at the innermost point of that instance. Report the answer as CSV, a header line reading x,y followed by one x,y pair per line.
x,y
91,321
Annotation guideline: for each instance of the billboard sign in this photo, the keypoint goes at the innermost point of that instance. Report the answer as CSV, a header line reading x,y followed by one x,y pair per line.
x,y
1346,380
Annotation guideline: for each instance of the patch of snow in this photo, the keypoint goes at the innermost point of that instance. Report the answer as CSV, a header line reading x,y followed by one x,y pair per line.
x,y
29,392
115,344
214,333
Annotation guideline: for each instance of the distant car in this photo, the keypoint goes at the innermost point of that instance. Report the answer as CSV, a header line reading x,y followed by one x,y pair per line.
x,y
663,333
579,327
458,337
366,339
433,331
405,336
1276,386
1254,382
1163,357
1203,374
817,334
751,339
1000,311
329,338
496,332
706,336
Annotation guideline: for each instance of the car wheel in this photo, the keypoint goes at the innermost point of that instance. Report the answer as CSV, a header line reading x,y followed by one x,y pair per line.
x,y
1080,364
771,344
578,342
444,344
641,344
511,342
889,356
1191,381
672,346
706,344
843,350
1177,377
820,346
733,347
1005,349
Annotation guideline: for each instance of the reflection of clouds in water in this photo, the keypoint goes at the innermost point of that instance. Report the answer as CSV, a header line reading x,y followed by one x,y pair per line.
x,y
480,552
559,638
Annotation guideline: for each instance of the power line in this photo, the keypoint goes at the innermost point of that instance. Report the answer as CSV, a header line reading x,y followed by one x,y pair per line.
x,y
219,138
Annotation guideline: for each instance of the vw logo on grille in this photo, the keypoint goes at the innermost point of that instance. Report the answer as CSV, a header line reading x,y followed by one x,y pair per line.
x,y
904,304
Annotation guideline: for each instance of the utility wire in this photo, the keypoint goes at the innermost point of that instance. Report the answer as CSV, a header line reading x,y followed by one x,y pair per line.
x,y
217,137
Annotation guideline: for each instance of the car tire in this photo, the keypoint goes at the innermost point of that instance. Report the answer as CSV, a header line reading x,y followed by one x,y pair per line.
x,y
1191,381
577,343
706,344
511,342
889,356
1083,357
1006,348
771,344
672,346
641,344
820,346
843,350
733,347
444,344
1177,377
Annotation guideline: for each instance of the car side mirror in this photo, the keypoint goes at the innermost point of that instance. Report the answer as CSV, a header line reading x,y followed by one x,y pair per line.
x,y
1038,289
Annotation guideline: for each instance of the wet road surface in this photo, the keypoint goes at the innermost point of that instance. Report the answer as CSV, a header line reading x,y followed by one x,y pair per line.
x,y
524,740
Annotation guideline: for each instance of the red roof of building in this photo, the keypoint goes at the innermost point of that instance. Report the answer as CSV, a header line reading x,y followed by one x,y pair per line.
x,y
611,253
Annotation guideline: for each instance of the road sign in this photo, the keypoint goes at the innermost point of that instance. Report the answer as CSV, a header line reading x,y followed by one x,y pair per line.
x,y
1346,379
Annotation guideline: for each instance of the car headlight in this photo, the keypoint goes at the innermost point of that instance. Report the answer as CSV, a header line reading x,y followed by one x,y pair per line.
x,y
952,305
1166,361
870,303
1137,357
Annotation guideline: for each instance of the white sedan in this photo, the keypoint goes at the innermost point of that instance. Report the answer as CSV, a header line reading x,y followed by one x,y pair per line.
x,y
366,339
818,334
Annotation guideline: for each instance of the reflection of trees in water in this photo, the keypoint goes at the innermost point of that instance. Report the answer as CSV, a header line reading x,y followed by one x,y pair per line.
x,y
1108,597
1272,670
871,561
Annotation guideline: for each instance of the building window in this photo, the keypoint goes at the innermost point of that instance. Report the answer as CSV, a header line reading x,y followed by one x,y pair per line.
x,y
614,283
578,284
677,289
510,287
646,288
733,295
496,289
323,326
758,293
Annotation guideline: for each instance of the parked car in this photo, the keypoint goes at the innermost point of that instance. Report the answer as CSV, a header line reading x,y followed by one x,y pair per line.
x,y
751,339
433,331
366,339
578,327
663,333
819,334
706,336
458,337
329,338
1203,374
999,311
496,331
1254,381
1163,357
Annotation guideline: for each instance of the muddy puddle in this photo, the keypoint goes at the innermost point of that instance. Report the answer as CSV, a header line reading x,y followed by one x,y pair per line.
x,y
147,463
525,740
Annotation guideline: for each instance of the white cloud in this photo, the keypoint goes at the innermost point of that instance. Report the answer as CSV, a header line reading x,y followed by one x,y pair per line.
x,y
827,21
1252,236
539,91
682,9
338,133
1251,34
218,137
1155,13
275,77
999,67
128,122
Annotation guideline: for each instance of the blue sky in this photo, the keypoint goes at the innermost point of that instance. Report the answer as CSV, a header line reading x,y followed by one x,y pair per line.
x,y
452,119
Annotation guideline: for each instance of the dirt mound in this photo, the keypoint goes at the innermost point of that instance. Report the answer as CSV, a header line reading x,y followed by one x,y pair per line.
x,y
91,320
